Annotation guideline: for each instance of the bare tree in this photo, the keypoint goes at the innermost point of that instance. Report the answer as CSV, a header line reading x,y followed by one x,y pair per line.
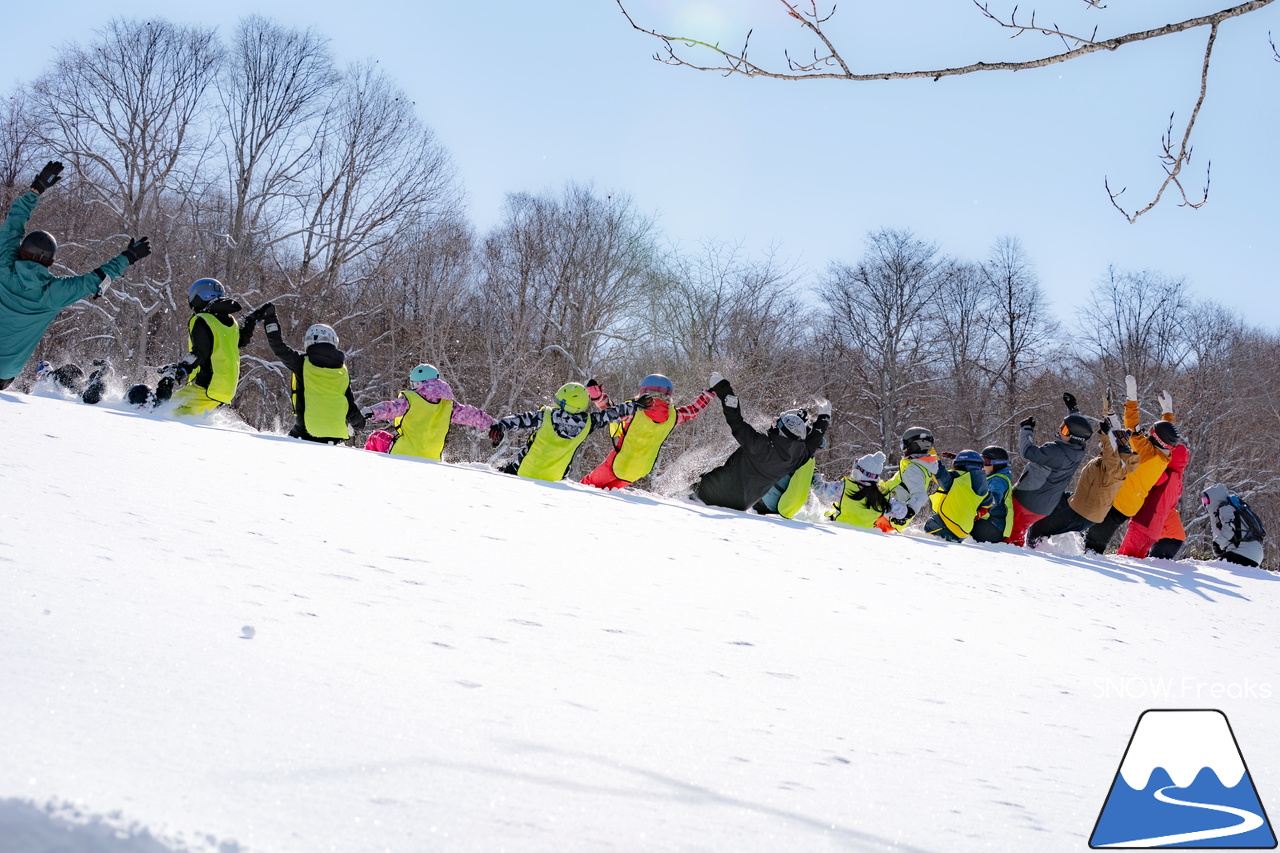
x,y
276,83
827,62
1135,323
1017,321
378,170
126,112
18,138
880,332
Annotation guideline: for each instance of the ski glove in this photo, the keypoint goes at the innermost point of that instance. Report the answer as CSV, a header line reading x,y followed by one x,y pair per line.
x,y
137,250
1028,422
367,413
643,401
898,511
49,175
495,434
1104,426
595,391
1070,400
1166,403
1131,388
824,408
721,387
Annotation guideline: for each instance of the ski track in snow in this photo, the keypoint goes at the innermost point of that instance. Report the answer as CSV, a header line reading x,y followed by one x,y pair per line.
x,y
242,642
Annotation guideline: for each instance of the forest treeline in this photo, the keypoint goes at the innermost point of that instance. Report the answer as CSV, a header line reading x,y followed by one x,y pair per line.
x,y
256,158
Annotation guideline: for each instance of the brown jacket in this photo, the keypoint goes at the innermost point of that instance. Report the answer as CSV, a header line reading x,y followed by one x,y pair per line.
x,y
1101,478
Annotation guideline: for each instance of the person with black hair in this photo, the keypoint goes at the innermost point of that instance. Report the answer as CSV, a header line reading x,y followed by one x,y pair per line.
x,y
30,295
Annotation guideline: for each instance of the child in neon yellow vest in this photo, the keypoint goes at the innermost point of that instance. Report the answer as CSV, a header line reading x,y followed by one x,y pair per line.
x,y
422,417
211,369
325,410
556,432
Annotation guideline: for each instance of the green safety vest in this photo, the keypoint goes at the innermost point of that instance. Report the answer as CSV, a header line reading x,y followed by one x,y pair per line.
x,y
549,455
421,430
849,510
641,441
324,400
796,494
224,361
958,506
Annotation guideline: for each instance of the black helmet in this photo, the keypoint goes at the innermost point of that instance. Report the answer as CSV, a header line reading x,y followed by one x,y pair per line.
x,y
1078,427
1164,434
995,456
917,441
38,246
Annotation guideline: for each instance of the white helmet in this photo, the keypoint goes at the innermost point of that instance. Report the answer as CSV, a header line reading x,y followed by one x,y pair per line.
x,y
320,334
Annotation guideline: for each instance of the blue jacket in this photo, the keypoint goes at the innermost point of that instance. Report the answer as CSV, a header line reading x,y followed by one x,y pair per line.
x,y
30,295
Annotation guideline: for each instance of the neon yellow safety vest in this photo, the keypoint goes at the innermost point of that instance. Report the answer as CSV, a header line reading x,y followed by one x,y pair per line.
x,y
421,431
849,510
642,439
796,494
958,506
549,455
324,400
224,361
896,480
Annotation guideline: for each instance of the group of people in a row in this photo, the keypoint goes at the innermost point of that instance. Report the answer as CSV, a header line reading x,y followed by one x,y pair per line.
x,y
1135,478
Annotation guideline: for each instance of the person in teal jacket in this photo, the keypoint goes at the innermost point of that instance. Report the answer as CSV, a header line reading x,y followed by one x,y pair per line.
x,y
30,295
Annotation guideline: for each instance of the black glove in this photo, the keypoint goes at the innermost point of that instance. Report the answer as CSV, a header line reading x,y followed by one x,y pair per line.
x,y
495,435
357,421
1104,426
137,250
1028,422
722,389
1070,400
643,401
223,305
49,175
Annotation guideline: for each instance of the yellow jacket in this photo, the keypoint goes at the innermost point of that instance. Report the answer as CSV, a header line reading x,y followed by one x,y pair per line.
x,y
1151,464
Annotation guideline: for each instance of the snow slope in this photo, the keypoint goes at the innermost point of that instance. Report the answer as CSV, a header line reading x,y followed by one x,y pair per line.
x,y
212,639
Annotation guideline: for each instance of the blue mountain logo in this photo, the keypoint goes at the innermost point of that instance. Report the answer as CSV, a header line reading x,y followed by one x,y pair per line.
x,y
1183,783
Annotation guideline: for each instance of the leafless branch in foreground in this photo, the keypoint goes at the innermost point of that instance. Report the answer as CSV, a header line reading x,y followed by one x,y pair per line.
x,y
827,63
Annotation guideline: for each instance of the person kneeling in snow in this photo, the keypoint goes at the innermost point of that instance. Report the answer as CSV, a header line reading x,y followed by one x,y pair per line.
x,y
638,440
958,500
320,388
422,416
556,432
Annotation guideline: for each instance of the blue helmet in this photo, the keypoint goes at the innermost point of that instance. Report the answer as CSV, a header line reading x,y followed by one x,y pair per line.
x,y
968,460
656,383
203,292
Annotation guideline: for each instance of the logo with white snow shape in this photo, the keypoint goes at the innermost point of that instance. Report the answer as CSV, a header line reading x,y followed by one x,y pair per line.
x,y
1183,783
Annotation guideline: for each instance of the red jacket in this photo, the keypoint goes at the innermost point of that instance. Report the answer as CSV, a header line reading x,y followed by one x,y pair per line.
x,y
1148,523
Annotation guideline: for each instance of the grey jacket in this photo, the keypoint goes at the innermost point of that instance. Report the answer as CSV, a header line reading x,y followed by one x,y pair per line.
x,y
1049,470
1222,525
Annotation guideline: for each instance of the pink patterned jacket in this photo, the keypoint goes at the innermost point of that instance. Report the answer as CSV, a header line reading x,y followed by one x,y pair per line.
x,y
433,391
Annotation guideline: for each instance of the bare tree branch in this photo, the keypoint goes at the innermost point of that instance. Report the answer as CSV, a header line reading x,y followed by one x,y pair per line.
x,y
828,64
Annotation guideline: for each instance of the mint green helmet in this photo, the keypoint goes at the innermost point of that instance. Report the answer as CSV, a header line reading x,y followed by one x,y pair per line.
x,y
424,373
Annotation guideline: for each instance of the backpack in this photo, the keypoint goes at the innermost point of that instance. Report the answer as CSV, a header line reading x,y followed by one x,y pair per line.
x,y
1247,527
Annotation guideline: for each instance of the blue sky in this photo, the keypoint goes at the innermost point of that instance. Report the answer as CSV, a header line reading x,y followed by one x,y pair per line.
x,y
529,95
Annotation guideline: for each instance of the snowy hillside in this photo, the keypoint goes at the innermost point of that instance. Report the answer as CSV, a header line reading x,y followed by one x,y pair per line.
x,y
212,639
